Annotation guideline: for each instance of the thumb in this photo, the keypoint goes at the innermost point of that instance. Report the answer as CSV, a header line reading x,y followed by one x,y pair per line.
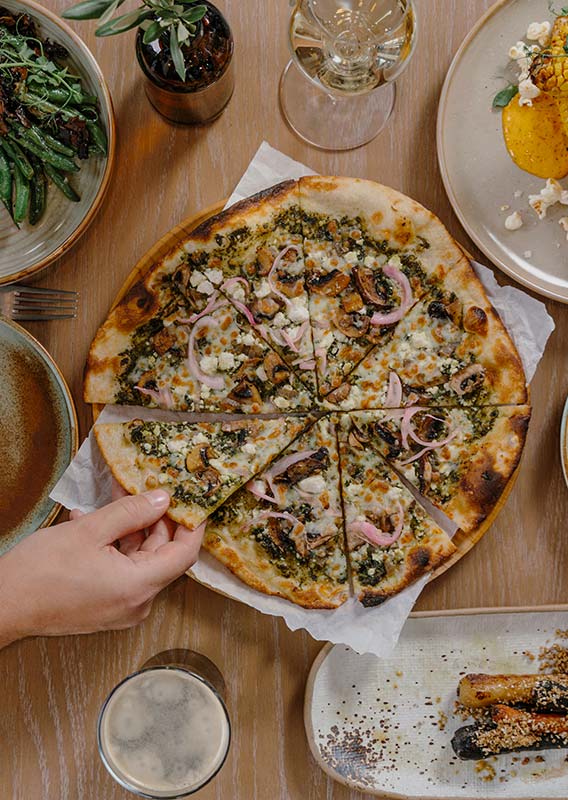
x,y
127,515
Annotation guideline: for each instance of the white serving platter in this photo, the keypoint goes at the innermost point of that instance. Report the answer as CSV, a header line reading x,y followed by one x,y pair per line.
x,y
384,726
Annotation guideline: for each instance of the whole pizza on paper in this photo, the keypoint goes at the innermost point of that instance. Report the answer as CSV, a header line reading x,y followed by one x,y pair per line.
x,y
346,312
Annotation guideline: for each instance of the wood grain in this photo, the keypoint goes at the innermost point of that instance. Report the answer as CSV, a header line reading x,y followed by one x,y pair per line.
x,y
52,688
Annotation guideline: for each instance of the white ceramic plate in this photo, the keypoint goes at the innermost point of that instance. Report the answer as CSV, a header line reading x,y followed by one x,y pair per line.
x,y
477,171
384,726
26,251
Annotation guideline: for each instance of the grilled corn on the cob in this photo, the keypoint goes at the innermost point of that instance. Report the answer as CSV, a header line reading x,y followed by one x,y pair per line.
x,y
549,69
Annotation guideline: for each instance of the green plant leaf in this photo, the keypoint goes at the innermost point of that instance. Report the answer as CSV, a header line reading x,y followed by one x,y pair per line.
x,y
504,97
124,22
177,55
195,14
109,13
152,32
88,9
182,32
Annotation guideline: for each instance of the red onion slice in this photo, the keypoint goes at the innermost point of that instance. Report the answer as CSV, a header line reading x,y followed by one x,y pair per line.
x,y
432,446
390,317
374,535
282,464
394,393
298,526
257,488
275,265
163,397
228,284
246,311
213,382
321,356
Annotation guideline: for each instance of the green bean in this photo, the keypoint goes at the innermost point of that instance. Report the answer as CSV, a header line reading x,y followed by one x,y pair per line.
x,y
22,195
38,194
45,139
5,179
62,97
17,157
62,183
98,137
48,156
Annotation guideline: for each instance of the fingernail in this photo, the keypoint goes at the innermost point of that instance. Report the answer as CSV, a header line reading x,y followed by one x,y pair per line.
x,y
158,498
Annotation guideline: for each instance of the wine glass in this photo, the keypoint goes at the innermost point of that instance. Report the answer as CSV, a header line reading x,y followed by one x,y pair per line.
x,y
351,51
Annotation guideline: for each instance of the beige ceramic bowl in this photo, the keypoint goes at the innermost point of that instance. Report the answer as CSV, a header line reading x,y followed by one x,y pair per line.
x,y
28,250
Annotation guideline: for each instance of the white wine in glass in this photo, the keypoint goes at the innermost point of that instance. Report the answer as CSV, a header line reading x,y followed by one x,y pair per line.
x,y
352,51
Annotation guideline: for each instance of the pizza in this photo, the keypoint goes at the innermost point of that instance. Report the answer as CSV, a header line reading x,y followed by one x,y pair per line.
x,y
347,313
391,539
200,464
461,459
283,533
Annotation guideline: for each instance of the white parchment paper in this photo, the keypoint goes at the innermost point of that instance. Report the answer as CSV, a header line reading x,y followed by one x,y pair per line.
x,y
86,484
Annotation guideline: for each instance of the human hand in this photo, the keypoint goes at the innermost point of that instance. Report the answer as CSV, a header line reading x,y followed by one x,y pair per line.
x,y
72,579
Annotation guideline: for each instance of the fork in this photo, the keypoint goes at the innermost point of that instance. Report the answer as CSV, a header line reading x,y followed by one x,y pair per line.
x,y
22,303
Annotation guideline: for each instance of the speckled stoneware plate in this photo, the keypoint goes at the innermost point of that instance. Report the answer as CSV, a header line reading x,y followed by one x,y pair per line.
x,y
479,176
38,433
26,251
384,726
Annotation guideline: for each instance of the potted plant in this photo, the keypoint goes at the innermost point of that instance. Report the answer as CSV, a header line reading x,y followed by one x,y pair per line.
x,y
184,48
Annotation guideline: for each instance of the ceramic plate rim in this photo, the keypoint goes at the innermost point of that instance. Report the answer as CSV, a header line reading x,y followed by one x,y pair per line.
x,y
507,267
564,442
91,212
328,647
49,361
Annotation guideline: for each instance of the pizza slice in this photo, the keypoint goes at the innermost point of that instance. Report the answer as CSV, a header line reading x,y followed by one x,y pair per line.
x,y
370,254
200,464
203,361
450,349
283,533
391,539
461,459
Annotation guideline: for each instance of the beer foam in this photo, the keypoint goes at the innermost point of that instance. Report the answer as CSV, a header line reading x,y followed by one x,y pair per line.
x,y
164,732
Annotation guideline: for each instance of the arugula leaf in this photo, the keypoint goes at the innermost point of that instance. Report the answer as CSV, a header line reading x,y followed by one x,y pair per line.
x,y
504,97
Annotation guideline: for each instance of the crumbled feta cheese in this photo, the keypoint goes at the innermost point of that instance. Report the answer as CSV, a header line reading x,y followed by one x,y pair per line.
x,y
353,399
237,292
539,32
279,320
514,221
214,275
369,261
551,194
298,313
176,445
527,254
351,257
264,289
200,438
281,402
248,339
196,278
249,448
527,92
261,373
422,339
226,361
206,287
208,364
163,477
563,222
326,340
314,484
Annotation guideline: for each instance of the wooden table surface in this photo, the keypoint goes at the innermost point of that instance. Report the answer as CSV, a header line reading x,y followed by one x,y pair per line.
x,y
52,689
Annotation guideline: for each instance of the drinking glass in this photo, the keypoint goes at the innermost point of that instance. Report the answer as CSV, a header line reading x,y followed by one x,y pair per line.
x,y
337,92
164,731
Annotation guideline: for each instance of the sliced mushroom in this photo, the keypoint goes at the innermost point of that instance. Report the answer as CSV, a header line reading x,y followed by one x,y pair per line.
x,y
265,307
365,282
280,529
429,427
352,302
198,458
329,283
211,480
312,465
352,325
163,341
468,379
247,368
275,368
354,441
339,394
315,540
452,310
475,321
265,258
290,285
148,380
424,472
246,392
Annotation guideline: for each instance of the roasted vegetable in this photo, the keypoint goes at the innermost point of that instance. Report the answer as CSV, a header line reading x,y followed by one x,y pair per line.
x,y
549,69
541,692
